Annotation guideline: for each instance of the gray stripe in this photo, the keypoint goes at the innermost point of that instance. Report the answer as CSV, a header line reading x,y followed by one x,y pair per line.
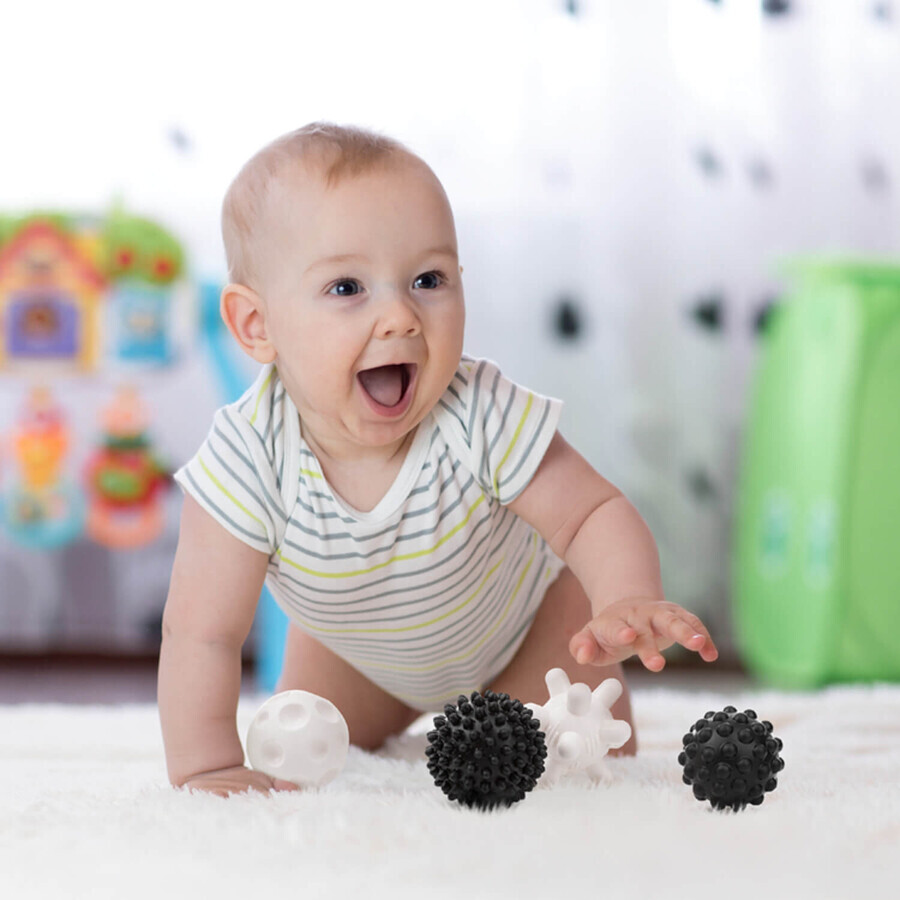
x,y
523,620
269,500
526,454
456,416
200,493
387,529
476,390
435,681
410,641
443,599
245,402
391,531
237,450
278,429
456,633
426,682
477,532
274,406
309,603
459,400
253,493
270,456
264,434
501,428
306,606
487,461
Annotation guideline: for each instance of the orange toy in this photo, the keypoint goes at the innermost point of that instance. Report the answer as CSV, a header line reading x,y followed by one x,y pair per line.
x,y
43,509
40,441
124,478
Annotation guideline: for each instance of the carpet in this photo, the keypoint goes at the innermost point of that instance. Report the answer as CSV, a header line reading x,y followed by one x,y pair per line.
x,y
85,811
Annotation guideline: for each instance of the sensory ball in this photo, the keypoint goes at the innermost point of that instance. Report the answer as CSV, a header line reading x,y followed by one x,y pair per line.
x,y
731,759
486,751
578,725
300,737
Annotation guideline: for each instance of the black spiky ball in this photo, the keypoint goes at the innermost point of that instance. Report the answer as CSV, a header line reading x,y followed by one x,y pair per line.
x,y
486,751
731,759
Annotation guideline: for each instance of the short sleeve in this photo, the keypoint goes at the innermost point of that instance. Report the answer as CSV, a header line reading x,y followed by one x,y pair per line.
x,y
234,477
500,429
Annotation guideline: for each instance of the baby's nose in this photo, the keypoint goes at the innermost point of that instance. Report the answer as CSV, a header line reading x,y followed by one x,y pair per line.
x,y
398,315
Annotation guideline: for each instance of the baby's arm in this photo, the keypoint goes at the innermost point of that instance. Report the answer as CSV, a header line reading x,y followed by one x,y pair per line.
x,y
592,526
215,586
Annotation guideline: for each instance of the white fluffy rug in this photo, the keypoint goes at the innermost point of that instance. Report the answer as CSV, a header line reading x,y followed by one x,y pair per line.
x,y
85,811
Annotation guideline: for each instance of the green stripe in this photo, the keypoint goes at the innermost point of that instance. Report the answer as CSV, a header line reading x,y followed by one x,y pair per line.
x,y
310,473
225,491
439,618
462,656
512,444
400,558
262,390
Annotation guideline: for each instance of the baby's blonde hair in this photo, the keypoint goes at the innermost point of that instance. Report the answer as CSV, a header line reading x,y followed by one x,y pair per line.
x,y
340,152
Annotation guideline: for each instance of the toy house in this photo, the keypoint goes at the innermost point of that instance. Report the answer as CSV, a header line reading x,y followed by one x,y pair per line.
x,y
51,291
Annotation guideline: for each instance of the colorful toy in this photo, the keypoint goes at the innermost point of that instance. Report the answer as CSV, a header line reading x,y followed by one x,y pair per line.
x,y
43,510
75,287
578,727
486,751
299,737
51,289
143,261
731,759
124,478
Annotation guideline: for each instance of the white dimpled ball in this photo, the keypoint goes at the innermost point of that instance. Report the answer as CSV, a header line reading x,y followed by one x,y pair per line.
x,y
299,737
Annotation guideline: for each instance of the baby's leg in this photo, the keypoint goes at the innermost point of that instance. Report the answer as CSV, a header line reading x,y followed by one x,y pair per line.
x,y
372,715
563,612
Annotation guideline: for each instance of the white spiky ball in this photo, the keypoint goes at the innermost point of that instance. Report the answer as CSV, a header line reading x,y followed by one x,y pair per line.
x,y
299,737
578,725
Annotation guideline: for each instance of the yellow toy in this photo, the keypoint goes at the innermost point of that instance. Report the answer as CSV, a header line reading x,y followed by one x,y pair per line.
x,y
43,510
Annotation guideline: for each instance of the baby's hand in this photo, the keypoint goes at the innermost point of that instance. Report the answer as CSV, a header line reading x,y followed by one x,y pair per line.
x,y
641,626
237,780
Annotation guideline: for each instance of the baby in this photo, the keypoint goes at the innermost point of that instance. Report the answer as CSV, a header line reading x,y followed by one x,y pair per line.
x,y
416,514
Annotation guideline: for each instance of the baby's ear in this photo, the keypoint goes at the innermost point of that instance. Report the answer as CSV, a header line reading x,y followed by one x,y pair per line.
x,y
243,313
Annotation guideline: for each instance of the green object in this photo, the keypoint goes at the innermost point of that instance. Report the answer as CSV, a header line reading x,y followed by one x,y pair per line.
x,y
817,568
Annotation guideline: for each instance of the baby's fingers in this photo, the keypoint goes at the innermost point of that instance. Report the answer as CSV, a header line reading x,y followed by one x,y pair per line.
x,y
686,629
648,653
602,641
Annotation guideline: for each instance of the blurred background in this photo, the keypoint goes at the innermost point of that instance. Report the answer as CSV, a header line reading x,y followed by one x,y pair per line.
x,y
630,181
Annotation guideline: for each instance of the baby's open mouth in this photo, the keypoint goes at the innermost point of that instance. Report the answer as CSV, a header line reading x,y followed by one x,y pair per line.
x,y
387,385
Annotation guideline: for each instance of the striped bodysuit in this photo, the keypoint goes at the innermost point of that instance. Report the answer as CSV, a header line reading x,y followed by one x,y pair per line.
x,y
430,593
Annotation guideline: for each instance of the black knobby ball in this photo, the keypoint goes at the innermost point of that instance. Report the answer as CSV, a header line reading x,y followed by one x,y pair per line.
x,y
731,758
486,751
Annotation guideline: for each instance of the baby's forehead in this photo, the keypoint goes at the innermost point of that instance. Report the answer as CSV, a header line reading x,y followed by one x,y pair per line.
x,y
307,186
323,171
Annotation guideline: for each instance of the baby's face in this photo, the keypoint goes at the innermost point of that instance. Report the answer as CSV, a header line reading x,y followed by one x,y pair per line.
x,y
364,302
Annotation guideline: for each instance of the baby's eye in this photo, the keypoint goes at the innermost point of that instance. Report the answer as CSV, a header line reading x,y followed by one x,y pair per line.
x,y
429,281
346,287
